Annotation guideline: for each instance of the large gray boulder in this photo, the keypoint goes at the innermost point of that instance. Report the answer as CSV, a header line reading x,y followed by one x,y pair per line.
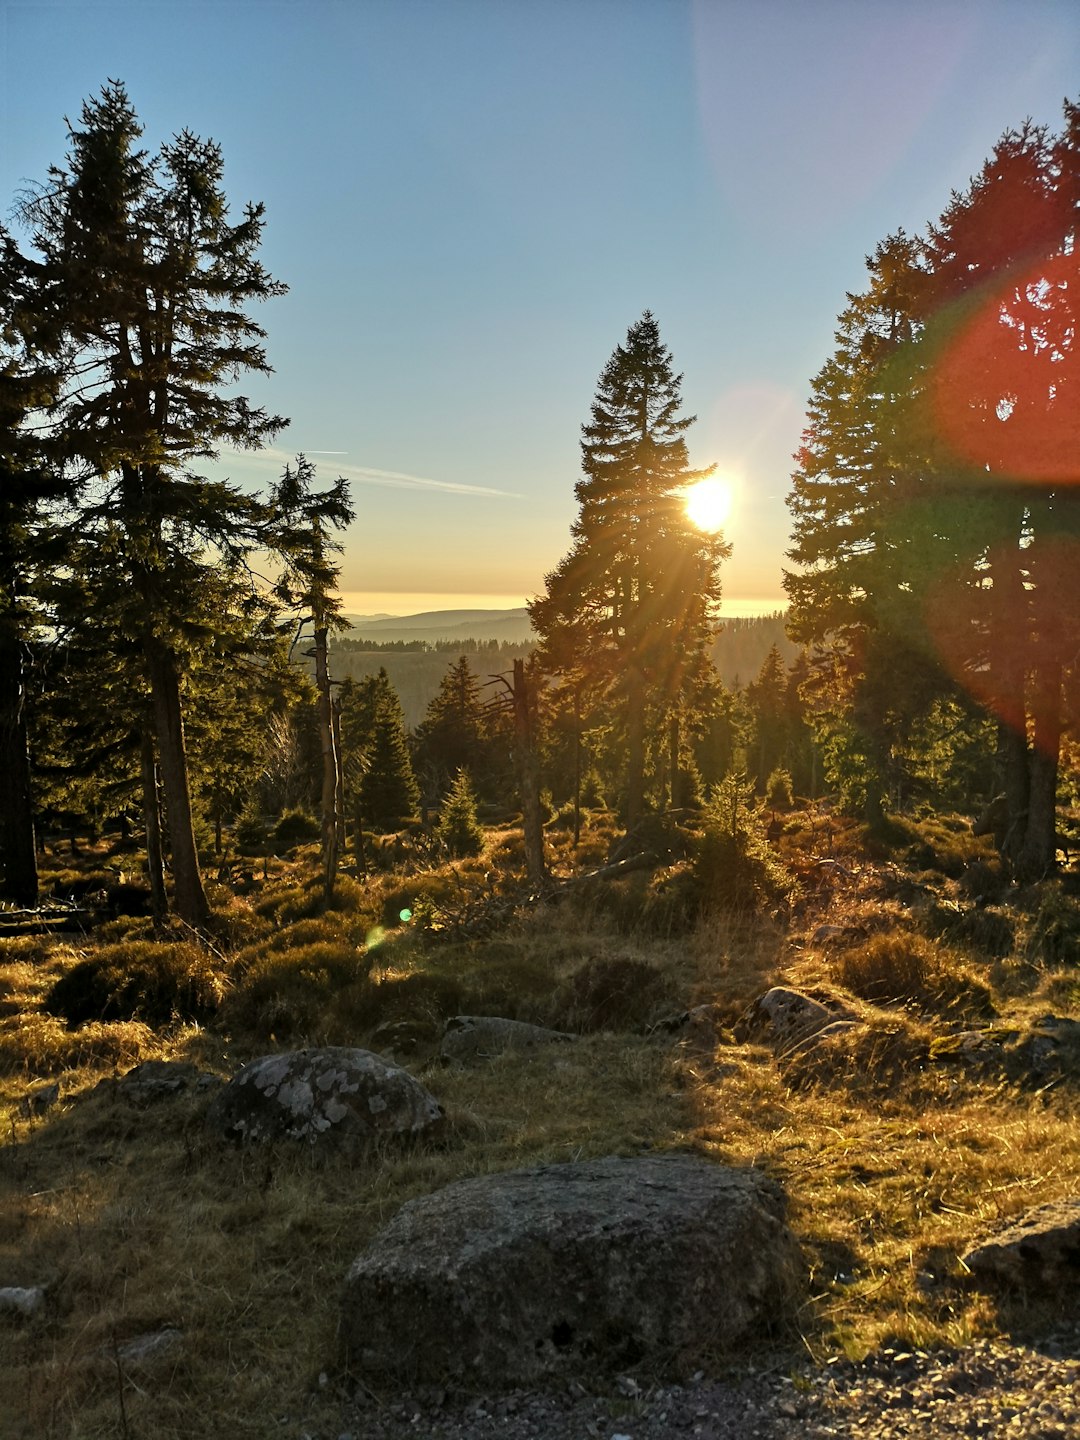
x,y
333,1096
1042,1248
658,1263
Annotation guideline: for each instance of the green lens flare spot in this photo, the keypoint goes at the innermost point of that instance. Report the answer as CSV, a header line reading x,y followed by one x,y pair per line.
x,y
405,916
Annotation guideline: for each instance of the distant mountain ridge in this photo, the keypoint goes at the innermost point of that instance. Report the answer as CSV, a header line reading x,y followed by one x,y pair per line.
x,y
432,625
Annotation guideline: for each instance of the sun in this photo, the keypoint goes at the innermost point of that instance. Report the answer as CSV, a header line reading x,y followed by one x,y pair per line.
x,y
708,503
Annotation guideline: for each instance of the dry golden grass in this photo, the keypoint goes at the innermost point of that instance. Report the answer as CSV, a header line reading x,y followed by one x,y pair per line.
x,y
137,1221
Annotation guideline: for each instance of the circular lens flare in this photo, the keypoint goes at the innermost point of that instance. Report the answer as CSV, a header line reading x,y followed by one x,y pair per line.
x,y
708,503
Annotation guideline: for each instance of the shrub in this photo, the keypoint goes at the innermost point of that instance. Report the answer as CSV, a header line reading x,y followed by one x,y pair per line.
x,y
734,868
611,992
779,794
252,828
991,932
295,828
1054,934
141,980
458,828
315,991
907,968
592,790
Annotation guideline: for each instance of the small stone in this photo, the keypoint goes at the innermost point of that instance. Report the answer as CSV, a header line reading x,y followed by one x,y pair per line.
x,y
17,1300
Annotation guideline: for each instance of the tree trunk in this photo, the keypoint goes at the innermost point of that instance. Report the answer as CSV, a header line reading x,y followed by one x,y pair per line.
x,y
635,748
674,749
189,895
1008,651
577,765
18,848
155,863
528,780
330,804
339,761
1039,849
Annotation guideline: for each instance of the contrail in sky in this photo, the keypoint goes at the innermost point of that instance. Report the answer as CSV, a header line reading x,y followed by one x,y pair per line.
x,y
369,475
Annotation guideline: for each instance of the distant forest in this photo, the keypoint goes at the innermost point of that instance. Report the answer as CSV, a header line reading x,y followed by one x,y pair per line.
x,y
416,667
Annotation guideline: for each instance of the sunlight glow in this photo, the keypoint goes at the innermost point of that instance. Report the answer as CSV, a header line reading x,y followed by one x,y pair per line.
x,y
708,503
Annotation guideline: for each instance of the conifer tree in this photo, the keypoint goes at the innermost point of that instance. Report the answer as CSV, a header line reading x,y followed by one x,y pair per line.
x,y
26,485
299,533
767,695
388,791
459,829
630,607
937,519
452,736
142,272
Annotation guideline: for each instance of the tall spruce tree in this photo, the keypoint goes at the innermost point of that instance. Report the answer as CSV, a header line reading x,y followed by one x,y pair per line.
x,y
1002,327
630,607
140,269
863,502
27,484
935,503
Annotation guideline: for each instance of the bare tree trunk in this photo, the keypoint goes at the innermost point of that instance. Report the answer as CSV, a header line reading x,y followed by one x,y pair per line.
x,y
189,895
528,779
330,804
155,863
18,848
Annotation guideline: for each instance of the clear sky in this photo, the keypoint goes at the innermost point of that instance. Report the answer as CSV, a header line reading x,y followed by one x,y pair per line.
x,y
472,200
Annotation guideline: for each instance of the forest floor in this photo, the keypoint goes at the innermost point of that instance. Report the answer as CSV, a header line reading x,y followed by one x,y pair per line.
x,y
897,1149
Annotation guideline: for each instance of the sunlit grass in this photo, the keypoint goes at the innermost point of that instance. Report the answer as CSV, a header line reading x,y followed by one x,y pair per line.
x,y
137,1220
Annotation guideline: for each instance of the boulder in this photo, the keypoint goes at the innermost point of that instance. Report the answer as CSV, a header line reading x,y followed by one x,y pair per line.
x,y
583,1269
1042,1248
789,1017
469,1038
334,1096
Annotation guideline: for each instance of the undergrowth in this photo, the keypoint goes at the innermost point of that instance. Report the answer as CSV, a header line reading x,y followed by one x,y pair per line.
x,y
895,1153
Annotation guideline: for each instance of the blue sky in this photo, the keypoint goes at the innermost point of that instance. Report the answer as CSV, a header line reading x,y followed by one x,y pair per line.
x,y
471,201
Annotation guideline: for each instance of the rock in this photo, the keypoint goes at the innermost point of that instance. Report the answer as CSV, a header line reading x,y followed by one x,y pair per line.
x,y
1041,1248
39,1101
406,1037
162,1080
19,1303
334,1095
144,1350
478,1037
789,1016
1052,1045
596,1267
975,1046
